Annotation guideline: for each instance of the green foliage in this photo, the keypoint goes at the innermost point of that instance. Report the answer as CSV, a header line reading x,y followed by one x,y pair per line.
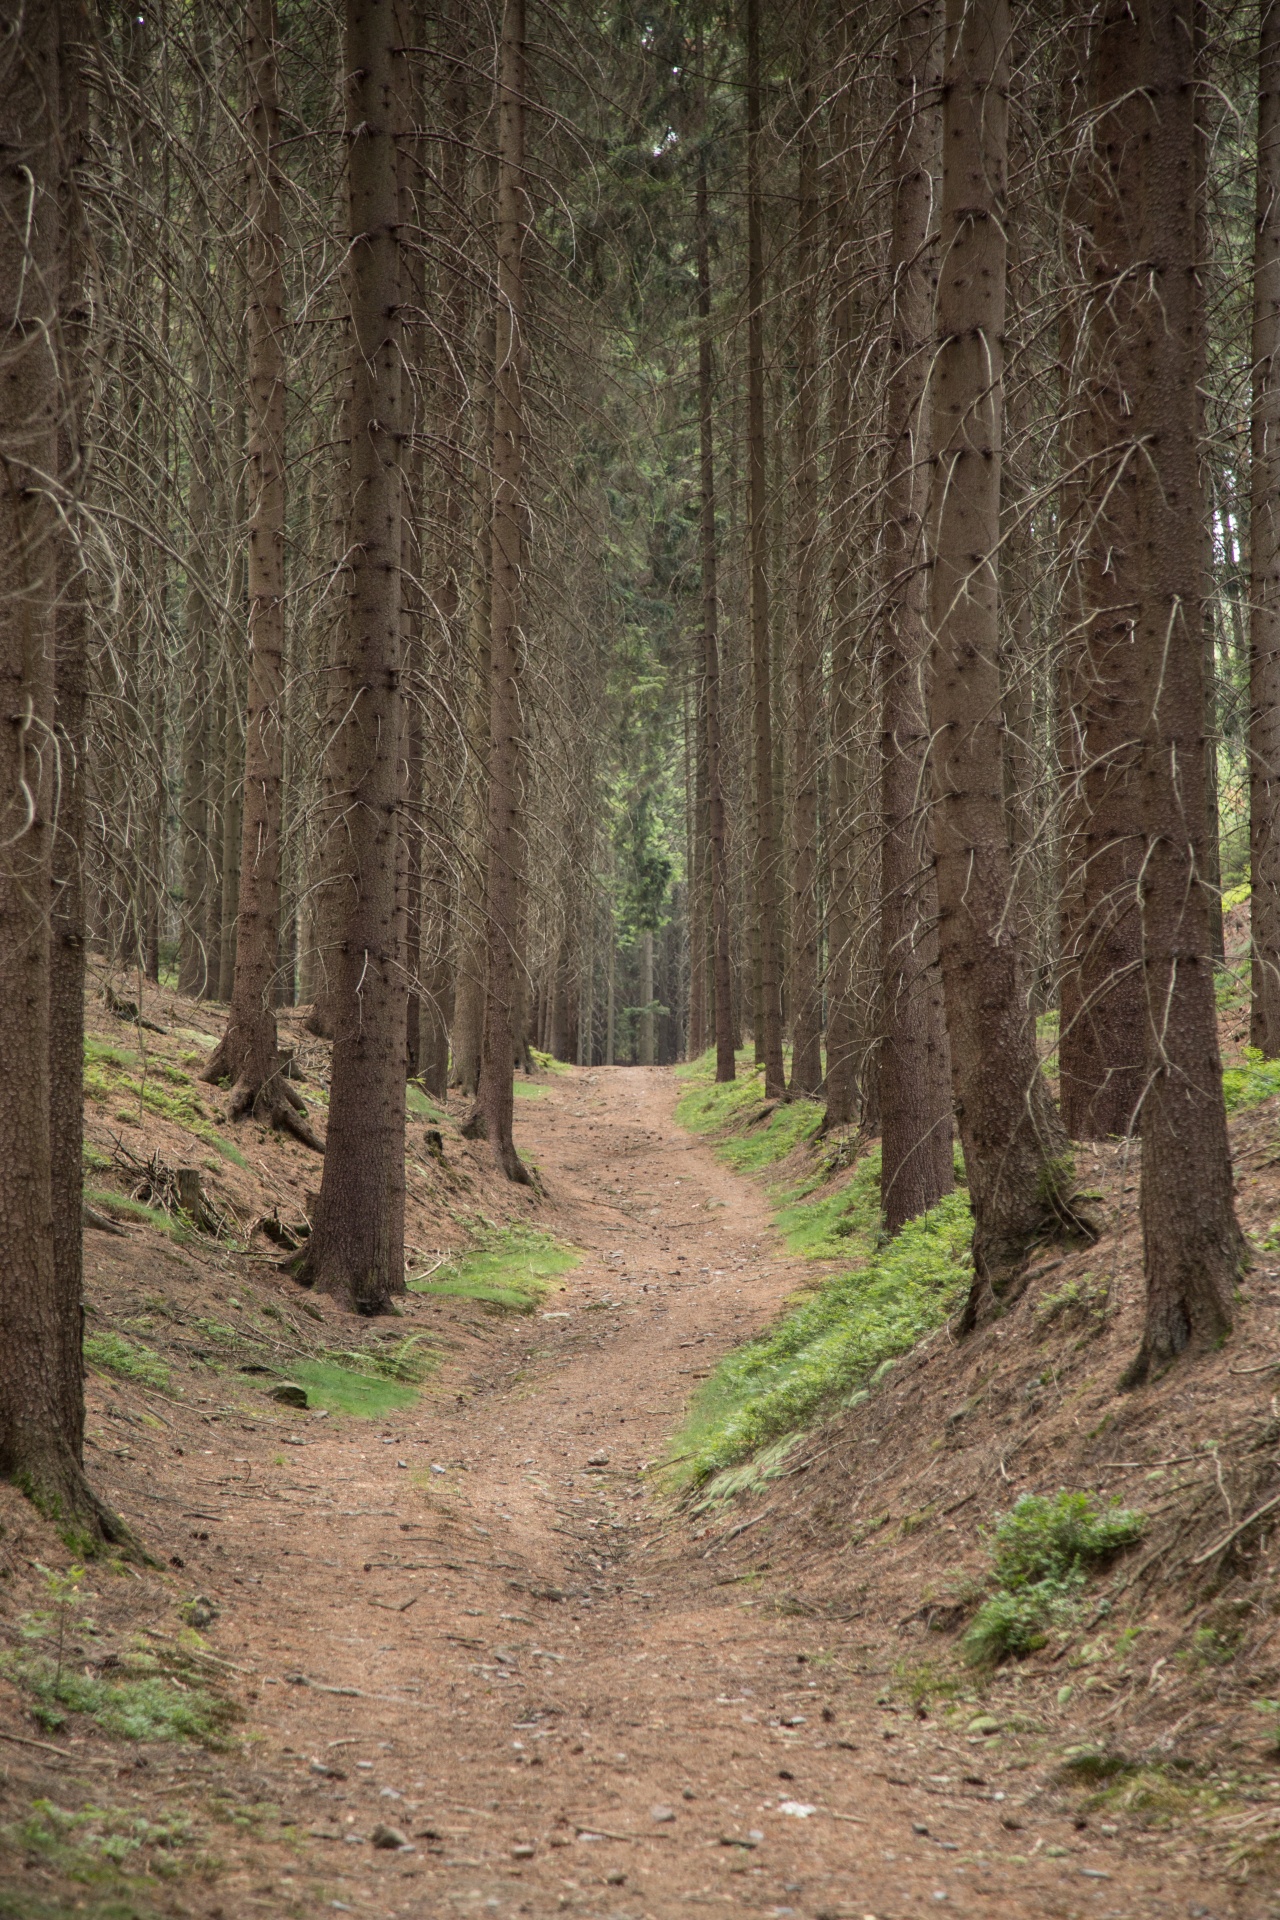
x,y
1236,896
527,1090
1248,1086
366,1382
771,1140
419,1101
96,1847
711,1108
1042,1549
128,1358
1054,1538
843,1223
155,1087
831,1346
146,1697
511,1268
119,1206
547,1063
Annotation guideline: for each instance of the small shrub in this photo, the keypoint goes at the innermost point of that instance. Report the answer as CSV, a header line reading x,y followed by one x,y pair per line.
x,y
1054,1538
1248,1086
1009,1625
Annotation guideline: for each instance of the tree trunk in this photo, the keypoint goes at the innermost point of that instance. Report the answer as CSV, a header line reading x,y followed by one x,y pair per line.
x,y
1193,1249
41,1376
1264,566
1016,1153
248,1053
769,1024
356,1249
646,997
806,640
915,1080
717,852
1100,1043
493,1114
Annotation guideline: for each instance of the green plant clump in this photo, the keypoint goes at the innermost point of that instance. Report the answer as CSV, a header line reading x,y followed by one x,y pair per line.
x,y
128,1358
1248,1086
511,1269
140,1706
363,1382
830,1347
1040,1554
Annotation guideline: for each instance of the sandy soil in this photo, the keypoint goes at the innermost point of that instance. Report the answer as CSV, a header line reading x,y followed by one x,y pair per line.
x,y
480,1627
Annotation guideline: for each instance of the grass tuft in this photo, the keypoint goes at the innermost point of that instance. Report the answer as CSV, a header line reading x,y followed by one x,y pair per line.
x,y
511,1269
1248,1086
831,1346
127,1358
1042,1550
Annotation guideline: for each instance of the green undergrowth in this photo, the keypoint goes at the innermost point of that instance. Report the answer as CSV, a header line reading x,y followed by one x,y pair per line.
x,y
831,1348
102,1848
119,1206
509,1268
146,1696
841,1223
129,1359
419,1102
364,1383
1249,1085
759,1132
1041,1553
547,1063
527,1090
124,1078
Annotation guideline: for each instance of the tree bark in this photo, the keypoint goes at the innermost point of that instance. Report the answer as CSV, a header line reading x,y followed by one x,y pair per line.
x,y
1264,564
1100,1043
717,852
1193,1249
915,1079
806,640
769,1034
41,1371
249,1053
1016,1152
356,1249
493,1114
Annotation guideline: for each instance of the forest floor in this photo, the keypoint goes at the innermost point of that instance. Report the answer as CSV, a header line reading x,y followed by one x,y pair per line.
x,y
477,1625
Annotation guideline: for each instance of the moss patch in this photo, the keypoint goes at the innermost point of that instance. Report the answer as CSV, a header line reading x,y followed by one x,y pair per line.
x,y
511,1269
127,1358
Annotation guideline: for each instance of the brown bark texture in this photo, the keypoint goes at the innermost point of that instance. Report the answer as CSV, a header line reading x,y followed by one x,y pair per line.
x,y
717,832
249,1054
356,1250
805,985
1193,1249
766,876
1264,567
915,1074
504,1004
41,1010
1016,1153
1100,1044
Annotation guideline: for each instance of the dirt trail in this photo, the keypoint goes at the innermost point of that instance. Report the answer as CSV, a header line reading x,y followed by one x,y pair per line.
x,y
475,1626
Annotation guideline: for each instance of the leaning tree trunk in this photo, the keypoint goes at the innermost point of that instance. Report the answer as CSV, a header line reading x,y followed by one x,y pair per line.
x,y
717,861
1193,1249
41,1378
1016,1154
356,1250
806,649
769,1035
494,1113
1264,567
248,1053
915,1080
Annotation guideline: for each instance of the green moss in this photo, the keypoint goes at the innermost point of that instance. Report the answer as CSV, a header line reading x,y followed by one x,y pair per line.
x,y
831,1347
418,1101
120,1207
127,1358
840,1224
547,1063
511,1268
527,1090
146,1703
1249,1085
366,1382
154,1086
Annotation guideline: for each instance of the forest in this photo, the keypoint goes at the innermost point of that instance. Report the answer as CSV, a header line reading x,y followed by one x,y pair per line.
x,y
549,538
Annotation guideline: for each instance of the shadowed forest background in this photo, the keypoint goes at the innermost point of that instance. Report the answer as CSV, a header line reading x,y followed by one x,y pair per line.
x,y
633,532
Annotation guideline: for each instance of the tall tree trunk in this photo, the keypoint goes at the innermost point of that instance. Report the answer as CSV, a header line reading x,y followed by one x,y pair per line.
x,y
806,640
1100,1044
915,1078
356,1250
41,1379
769,1025
717,852
248,1053
1264,565
646,997
1016,1154
1193,1249
505,877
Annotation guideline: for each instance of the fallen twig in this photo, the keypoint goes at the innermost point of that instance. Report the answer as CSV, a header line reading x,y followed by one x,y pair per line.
x,y
1239,1528
42,1746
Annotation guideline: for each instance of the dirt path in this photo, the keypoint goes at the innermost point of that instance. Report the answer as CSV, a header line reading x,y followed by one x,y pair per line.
x,y
475,1627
